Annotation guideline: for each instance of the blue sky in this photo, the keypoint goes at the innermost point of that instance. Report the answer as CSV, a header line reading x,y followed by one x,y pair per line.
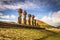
x,y
45,10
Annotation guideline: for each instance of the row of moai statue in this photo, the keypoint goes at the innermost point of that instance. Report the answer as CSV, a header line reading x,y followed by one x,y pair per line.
x,y
24,19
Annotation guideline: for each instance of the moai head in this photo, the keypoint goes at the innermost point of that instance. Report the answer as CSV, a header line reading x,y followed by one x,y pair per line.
x,y
29,15
20,11
25,13
33,16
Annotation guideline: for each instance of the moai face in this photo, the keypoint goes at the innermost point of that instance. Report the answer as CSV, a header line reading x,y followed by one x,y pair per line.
x,y
29,15
20,11
25,13
33,16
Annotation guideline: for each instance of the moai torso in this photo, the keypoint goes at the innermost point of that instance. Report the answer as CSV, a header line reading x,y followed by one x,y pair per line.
x,y
19,16
25,13
29,19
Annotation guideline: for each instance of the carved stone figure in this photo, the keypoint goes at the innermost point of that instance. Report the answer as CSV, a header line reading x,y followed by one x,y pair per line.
x,y
33,19
35,22
29,19
25,13
19,16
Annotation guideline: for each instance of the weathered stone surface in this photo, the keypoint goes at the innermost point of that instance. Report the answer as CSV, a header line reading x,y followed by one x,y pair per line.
x,y
20,15
33,19
29,19
20,11
25,13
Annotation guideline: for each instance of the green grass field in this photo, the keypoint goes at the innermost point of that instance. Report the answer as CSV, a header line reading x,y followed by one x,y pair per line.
x,y
27,34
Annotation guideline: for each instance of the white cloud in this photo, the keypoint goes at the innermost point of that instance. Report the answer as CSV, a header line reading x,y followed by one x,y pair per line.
x,y
14,6
7,20
56,17
1,14
53,19
8,16
13,16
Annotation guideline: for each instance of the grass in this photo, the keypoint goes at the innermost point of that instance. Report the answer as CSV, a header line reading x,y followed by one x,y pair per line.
x,y
27,34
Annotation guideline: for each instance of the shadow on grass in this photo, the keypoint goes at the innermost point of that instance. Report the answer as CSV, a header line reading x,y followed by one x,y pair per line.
x,y
22,27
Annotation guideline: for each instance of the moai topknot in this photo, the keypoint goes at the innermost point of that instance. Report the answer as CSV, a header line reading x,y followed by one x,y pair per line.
x,y
19,16
25,13
33,19
29,19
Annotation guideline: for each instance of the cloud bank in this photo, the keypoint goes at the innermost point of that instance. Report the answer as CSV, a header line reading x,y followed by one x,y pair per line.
x,y
52,19
7,16
16,4
10,18
29,4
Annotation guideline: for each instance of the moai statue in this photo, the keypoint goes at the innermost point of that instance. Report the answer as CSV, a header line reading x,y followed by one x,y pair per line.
x,y
38,25
19,16
35,22
33,19
29,19
25,13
